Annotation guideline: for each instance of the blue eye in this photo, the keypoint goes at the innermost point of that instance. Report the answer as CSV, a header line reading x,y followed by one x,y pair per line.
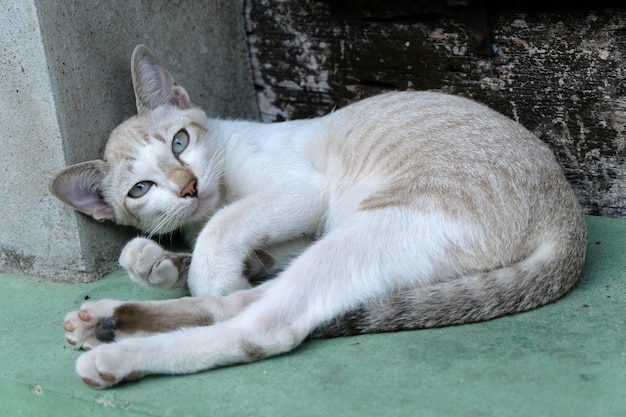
x,y
140,189
180,142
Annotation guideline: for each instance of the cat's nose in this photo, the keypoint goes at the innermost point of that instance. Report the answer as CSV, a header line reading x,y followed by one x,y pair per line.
x,y
190,189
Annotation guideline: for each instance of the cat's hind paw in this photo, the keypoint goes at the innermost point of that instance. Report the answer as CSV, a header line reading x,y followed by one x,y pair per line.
x,y
89,327
105,366
149,264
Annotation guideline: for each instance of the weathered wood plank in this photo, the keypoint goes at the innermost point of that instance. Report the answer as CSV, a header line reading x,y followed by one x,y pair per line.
x,y
559,73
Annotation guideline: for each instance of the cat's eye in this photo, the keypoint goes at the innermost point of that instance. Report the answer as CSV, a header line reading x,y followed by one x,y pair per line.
x,y
140,189
180,142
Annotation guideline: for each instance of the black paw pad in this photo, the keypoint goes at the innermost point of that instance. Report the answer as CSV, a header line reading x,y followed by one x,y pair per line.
x,y
105,330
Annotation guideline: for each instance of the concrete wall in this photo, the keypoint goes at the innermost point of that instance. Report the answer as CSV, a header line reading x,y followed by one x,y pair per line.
x,y
65,83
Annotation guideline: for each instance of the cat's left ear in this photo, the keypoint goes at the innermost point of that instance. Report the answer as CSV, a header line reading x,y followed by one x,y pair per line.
x,y
153,84
80,186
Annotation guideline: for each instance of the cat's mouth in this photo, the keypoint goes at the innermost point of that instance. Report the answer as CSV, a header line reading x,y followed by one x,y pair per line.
x,y
196,209
206,203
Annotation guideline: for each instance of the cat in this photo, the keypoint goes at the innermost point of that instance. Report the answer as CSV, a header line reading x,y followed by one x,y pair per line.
x,y
405,210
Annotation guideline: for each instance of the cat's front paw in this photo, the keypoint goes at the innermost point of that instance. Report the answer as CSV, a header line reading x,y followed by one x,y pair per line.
x,y
89,327
149,264
106,366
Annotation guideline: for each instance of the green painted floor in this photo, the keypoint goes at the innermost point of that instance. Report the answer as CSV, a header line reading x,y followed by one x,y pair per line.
x,y
565,359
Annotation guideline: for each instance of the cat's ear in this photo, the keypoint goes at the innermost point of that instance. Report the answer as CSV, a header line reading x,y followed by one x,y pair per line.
x,y
80,186
153,84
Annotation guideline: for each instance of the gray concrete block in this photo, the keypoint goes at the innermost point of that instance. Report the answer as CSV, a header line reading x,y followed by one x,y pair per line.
x,y
65,84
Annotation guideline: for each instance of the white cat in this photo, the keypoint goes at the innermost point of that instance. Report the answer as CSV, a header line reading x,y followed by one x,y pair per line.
x,y
402,211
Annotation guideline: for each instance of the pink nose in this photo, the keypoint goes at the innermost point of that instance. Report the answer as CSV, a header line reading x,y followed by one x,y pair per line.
x,y
190,189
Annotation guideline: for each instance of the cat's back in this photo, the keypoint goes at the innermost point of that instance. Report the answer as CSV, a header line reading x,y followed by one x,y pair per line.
x,y
429,149
424,130
423,117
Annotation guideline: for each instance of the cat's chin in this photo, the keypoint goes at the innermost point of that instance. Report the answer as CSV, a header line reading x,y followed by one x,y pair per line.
x,y
205,207
196,212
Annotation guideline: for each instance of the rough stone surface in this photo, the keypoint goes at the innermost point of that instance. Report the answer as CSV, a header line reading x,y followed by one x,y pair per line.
x,y
35,234
65,84
555,68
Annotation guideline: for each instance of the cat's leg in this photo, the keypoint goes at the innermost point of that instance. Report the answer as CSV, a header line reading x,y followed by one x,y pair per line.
x,y
337,273
286,212
107,321
149,264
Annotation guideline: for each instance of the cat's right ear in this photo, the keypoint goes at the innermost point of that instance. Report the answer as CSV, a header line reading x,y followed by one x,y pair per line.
x,y
153,84
80,186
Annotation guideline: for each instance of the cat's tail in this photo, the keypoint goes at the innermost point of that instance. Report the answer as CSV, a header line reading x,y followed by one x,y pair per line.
x,y
547,274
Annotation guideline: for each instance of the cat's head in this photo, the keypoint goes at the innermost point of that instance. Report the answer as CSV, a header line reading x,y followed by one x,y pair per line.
x,y
159,171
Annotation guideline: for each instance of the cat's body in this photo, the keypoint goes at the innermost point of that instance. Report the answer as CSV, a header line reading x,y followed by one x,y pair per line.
x,y
402,211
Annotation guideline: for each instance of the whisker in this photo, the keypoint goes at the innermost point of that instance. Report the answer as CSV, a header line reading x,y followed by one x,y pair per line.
x,y
169,220
214,164
254,253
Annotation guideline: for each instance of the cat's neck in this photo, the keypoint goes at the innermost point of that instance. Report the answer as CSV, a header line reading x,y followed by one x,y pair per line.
x,y
256,154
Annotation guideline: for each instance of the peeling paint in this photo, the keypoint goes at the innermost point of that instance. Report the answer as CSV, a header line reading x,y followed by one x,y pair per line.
x,y
309,52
